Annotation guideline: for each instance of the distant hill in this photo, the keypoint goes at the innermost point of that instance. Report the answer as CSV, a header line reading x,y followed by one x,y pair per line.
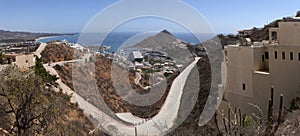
x,y
259,34
263,33
10,36
161,41
255,34
165,42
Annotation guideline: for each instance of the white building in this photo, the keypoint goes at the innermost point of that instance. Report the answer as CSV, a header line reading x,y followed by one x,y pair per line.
x,y
136,56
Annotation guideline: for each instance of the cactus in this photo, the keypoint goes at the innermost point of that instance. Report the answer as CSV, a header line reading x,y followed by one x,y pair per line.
x,y
240,117
216,122
270,130
224,121
270,109
270,113
234,125
279,114
229,119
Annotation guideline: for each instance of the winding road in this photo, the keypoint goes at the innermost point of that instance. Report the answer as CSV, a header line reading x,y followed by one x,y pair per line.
x,y
40,49
156,126
138,79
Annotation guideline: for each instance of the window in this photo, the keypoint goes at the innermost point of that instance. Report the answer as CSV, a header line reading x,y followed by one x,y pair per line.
x,y
244,86
263,58
275,54
291,55
299,56
283,55
274,36
267,55
26,61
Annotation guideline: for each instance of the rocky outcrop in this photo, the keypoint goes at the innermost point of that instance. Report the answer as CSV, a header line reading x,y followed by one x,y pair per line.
x,y
54,52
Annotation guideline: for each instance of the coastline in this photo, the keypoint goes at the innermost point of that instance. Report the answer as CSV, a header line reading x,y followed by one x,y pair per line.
x,y
45,37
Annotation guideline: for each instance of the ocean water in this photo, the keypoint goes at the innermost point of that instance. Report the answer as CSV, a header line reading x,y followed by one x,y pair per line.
x,y
116,39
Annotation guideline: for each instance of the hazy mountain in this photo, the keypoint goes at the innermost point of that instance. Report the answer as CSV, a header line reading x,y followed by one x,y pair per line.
x,y
10,36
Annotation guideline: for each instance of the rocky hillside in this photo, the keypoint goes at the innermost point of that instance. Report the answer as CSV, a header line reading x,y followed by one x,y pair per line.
x,y
59,52
255,34
31,106
105,84
161,41
259,34
107,90
117,104
263,33
167,43
290,124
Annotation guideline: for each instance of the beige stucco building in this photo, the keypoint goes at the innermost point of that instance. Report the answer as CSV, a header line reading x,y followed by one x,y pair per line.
x,y
23,61
251,71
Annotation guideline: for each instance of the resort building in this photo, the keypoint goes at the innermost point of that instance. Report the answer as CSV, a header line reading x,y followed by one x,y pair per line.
x,y
136,56
252,70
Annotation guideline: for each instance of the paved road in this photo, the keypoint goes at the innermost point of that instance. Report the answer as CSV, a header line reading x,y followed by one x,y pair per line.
x,y
168,114
88,108
137,81
40,49
84,58
163,120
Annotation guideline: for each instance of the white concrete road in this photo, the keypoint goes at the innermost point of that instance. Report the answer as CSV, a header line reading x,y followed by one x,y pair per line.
x,y
40,49
88,108
168,114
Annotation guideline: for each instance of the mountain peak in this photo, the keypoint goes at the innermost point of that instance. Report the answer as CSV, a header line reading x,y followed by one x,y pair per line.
x,y
163,39
166,32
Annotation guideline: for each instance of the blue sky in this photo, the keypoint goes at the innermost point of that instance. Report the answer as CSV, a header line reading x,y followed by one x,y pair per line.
x,y
72,15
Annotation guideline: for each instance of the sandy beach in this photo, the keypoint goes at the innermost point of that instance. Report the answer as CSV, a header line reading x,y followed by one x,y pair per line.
x,y
46,37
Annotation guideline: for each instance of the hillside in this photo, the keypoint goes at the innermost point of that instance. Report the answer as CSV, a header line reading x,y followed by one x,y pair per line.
x,y
263,33
106,89
168,44
31,106
117,104
290,124
105,83
161,41
59,52
259,34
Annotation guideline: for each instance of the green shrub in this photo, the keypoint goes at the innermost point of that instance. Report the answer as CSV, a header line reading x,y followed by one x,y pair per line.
x,y
39,70
250,122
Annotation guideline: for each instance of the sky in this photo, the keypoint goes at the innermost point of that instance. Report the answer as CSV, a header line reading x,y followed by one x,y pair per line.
x,y
68,16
